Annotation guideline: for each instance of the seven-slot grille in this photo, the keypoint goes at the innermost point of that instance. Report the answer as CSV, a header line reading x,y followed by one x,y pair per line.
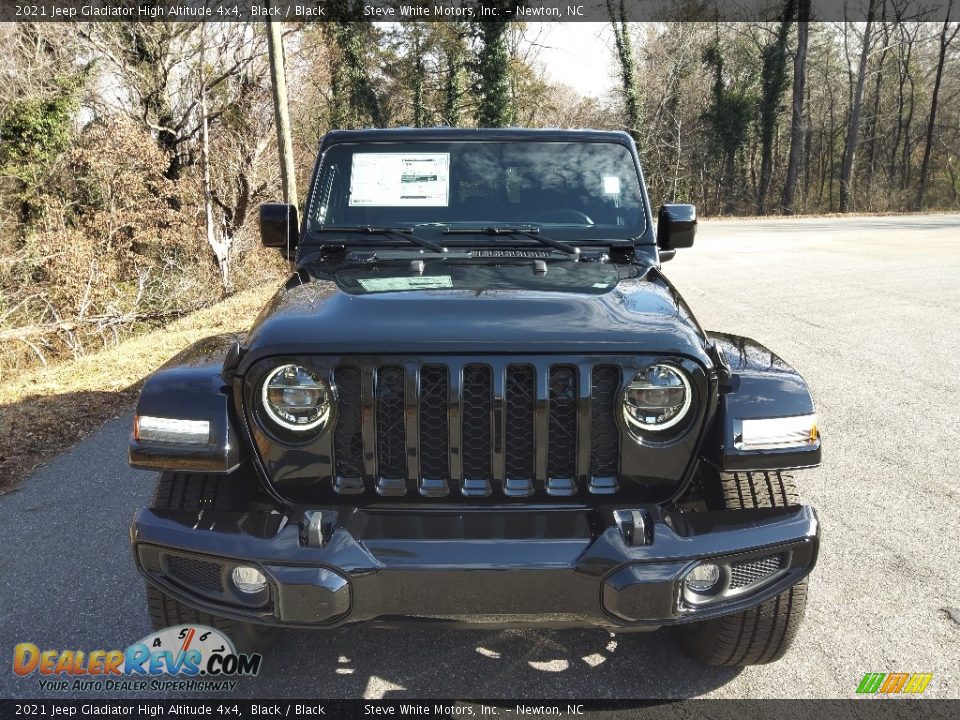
x,y
476,429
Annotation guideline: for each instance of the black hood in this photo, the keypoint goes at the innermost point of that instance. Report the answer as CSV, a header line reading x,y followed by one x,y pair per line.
x,y
478,309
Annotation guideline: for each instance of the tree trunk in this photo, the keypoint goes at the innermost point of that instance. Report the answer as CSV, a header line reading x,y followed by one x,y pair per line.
x,y
454,53
904,56
453,90
906,166
774,74
853,127
493,68
874,121
932,120
624,44
281,112
419,71
219,245
797,124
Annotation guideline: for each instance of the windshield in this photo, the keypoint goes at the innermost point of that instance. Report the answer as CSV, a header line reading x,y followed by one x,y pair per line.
x,y
582,190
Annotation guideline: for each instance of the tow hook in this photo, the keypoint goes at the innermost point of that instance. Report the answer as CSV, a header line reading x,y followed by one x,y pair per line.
x,y
634,526
317,527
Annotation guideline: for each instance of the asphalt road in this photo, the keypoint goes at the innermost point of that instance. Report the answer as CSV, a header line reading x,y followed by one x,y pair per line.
x,y
867,309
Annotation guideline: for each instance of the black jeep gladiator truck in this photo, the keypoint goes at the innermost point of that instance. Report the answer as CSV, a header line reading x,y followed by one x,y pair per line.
x,y
478,402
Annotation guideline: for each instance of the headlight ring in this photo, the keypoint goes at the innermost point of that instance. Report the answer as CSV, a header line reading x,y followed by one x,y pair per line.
x,y
295,398
658,398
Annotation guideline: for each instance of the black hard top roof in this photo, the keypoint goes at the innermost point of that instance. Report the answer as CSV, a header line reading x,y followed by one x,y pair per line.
x,y
403,134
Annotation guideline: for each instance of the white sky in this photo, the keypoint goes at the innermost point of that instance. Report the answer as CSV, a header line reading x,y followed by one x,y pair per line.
x,y
579,54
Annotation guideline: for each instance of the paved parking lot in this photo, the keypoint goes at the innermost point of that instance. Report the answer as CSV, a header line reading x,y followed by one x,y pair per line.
x,y
868,309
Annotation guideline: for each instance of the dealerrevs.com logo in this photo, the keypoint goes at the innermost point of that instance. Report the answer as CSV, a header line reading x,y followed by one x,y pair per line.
x,y
185,657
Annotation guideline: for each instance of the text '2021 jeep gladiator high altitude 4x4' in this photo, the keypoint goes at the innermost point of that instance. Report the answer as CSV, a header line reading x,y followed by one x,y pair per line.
x,y
478,402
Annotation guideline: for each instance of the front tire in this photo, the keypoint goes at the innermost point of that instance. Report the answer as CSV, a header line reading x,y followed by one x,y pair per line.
x,y
764,633
192,491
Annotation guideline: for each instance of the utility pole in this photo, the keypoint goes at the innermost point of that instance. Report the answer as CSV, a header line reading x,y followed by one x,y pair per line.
x,y
281,112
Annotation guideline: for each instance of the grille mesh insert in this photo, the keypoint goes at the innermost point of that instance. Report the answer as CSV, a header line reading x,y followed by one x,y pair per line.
x,y
477,440
196,573
348,435
520,389
562,429
604,434
750,572
391,441
434,462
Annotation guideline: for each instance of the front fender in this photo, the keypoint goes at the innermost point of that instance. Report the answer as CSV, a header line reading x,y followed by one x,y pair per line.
x,y
762,385
191,387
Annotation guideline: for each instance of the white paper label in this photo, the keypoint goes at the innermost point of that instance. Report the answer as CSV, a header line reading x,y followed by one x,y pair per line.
x,y
416,282
611,185
400,180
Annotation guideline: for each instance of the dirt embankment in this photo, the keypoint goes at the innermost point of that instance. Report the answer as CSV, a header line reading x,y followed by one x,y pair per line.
x,y
44,411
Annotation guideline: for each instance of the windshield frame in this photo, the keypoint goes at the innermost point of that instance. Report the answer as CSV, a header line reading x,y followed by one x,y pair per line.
x,y
311,238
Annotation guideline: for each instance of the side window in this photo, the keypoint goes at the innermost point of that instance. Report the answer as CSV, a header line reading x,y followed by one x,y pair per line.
x,y
325,195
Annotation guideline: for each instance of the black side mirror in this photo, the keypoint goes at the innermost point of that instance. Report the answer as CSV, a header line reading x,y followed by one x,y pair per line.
x,y
279,227
676,227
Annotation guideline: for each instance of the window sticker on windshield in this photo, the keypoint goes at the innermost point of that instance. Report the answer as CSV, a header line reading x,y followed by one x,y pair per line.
x,y
390,284
400,180
611,185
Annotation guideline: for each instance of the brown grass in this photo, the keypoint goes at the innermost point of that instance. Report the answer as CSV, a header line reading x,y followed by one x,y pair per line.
x,y
44,411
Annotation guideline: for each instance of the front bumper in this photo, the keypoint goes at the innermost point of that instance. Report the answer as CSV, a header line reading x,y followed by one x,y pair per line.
x,y
470,566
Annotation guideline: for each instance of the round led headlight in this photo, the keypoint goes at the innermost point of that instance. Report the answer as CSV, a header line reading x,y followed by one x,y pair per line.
x,y
657,398
296,399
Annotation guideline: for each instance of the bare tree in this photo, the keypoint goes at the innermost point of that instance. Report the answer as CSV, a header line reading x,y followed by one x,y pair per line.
x,y
856,109
797,122
281,112
774,79
946,37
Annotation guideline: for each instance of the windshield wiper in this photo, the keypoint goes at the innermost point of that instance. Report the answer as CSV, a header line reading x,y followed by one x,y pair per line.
x,y
530,232
405,233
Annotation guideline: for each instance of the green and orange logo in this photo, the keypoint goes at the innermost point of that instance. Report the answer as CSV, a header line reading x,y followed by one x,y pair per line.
x,y
894,683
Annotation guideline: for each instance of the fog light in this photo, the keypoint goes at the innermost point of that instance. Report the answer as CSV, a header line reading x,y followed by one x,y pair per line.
x,y
702,578
248,579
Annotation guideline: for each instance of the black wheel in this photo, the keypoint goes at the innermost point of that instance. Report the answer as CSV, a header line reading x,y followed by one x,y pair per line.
x,y
189,491
764,633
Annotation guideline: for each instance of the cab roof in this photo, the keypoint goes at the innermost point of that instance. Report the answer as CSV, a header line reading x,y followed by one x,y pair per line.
x,y
406,134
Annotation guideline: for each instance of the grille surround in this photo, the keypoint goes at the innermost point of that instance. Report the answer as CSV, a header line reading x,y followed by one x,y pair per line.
x,y
317,470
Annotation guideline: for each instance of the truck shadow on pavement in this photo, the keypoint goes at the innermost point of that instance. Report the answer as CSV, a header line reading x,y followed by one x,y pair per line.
x,y
37,428
483,665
